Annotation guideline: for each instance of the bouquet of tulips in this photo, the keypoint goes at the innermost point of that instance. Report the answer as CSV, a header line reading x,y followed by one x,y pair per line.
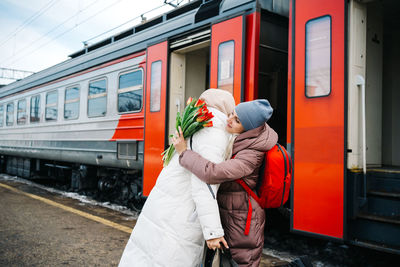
x,y
194,117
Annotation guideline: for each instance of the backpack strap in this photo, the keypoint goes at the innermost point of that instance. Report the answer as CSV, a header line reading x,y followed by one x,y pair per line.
x,y
250,210
287,162
261,171
249,193
247,189
209,186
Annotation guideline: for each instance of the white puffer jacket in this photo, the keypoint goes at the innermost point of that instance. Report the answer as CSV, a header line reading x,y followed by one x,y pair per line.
x,y
180,212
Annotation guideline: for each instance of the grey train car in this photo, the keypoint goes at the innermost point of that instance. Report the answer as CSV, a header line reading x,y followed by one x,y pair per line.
x,y
101,119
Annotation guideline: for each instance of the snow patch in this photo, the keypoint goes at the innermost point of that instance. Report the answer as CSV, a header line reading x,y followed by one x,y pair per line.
x,y
278,254
83,199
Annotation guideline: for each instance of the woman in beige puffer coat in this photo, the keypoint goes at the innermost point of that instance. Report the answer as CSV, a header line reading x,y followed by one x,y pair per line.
x,y
180,214
255,137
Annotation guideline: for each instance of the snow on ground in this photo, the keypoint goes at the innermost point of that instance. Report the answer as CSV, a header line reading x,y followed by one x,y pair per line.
x,y
278,254
81,198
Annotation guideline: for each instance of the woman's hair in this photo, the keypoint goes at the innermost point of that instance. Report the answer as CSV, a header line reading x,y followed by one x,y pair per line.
x,y
219,99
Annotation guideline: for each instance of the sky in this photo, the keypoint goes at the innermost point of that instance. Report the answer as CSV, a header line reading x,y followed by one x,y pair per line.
x,y
37,34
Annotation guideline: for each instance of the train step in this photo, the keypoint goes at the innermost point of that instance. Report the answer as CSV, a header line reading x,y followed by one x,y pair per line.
x,y
376,246
382,204
384,194
385,219
384,180
377,222
375,229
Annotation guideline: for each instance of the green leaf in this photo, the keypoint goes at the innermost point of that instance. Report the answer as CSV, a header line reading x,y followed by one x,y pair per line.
x,y
167,155
178,121
190,119
191,129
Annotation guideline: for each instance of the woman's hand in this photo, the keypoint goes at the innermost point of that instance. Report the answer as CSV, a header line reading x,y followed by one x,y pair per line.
x,y
216,243
179,142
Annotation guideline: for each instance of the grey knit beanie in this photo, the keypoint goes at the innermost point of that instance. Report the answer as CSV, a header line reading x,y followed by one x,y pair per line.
x,y
253,114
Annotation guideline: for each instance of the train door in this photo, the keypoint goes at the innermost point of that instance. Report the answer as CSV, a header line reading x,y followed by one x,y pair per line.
x,y
209,58
227,56
155,113
318,116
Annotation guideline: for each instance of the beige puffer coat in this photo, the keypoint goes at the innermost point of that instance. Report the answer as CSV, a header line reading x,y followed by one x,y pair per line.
x,y
180,213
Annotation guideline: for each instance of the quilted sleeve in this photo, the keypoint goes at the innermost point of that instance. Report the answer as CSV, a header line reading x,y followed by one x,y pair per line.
x,y
211,144
218,172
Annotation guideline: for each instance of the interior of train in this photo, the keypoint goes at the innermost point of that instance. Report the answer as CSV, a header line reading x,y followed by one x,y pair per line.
x,y
272,74
384,15
379,63
188,77
373,199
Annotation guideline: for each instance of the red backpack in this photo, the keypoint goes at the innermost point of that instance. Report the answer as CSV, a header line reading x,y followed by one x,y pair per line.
x,y
273,185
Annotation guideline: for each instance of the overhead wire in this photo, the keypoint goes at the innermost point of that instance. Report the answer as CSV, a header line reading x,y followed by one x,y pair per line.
x,y
29,21
52,30
63,33
103,33
75,26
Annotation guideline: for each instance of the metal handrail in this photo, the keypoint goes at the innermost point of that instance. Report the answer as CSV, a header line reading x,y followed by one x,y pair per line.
x,y
360,81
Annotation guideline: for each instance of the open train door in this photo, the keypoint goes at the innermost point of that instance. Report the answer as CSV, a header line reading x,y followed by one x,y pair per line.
x,y
318,118
155,113
227,56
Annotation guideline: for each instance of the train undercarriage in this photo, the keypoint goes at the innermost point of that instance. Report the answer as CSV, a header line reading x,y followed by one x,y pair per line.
x,y
119,186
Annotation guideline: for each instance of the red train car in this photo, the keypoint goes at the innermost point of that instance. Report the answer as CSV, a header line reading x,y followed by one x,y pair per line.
x,y
328,67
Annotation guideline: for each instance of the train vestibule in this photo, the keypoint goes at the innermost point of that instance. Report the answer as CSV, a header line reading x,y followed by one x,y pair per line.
x,y
373,148
189,75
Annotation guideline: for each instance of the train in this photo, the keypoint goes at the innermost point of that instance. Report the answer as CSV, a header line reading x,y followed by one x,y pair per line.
x,y
328,67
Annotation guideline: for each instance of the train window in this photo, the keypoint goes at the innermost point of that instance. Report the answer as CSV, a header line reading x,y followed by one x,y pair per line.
x,y
97,98
35,109
226,53
71,104
155,86
318,57
51,106
10,114
130,91
21,112
1,115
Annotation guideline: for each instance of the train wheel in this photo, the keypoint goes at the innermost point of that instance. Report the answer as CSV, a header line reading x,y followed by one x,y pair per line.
x,y
136,204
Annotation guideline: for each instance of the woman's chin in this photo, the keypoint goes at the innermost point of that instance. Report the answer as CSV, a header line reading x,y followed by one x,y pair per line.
x,y
229,130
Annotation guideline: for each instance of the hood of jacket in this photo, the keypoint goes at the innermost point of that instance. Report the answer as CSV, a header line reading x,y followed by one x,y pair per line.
x,y
262,139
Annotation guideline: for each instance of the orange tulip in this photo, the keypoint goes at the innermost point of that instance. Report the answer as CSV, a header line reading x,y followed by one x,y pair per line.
x,y
201,118
208,124
205,117
190,123
199,103
199,113
202,111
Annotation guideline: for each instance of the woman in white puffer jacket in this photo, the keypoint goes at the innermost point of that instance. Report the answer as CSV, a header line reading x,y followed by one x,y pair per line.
x,y
180,211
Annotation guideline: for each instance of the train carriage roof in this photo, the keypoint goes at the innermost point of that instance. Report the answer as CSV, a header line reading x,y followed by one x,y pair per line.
x,y
189,17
